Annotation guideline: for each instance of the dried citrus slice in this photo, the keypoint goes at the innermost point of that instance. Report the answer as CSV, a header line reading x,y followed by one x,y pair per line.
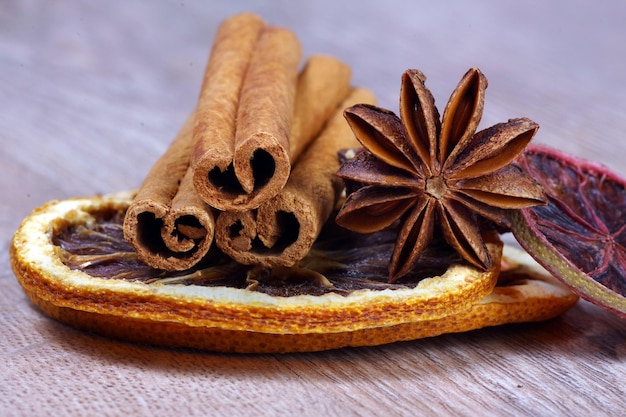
x,y
222,318
580,235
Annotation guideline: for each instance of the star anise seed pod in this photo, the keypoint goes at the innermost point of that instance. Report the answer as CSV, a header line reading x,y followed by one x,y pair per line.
x,y
435,175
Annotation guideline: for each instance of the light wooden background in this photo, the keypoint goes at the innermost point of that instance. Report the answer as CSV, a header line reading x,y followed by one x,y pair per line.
x,y
91,93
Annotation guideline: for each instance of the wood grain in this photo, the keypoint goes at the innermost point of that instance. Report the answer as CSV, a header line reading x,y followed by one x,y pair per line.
x,y
91,94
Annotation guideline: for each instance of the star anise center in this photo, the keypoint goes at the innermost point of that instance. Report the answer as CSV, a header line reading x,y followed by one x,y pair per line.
x,y
415,160
436,187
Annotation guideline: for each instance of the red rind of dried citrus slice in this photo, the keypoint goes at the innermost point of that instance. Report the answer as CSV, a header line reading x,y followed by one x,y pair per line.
x,y
580,235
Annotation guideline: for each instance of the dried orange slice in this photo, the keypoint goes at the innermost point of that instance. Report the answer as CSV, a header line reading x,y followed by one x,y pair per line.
x,y
580,235
223,318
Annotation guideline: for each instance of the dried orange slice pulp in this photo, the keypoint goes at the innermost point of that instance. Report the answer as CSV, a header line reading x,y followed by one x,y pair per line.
x,y
223,318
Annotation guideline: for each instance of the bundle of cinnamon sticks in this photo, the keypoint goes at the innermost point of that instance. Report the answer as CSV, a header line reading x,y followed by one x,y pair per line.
x,y
252,170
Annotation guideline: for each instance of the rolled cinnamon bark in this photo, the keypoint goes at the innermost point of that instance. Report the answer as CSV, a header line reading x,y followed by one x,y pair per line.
x,y
282,230
242,158
169,226
323,84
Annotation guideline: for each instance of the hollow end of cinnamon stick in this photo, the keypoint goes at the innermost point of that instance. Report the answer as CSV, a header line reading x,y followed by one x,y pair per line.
x,y
169,239
245,170
258,171
173,244
241,241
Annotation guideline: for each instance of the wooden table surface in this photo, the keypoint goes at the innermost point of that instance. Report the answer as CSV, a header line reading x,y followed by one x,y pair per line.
x,y
91,93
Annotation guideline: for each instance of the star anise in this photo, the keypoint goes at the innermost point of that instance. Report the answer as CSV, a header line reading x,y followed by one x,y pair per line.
x,y
435,176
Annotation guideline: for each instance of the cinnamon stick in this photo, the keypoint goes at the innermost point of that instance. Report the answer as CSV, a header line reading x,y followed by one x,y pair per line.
x,y
323,84
282,230
242,158
169,226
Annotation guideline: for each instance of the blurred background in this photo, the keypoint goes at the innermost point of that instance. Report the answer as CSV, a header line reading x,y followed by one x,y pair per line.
x,y
128,72
93,92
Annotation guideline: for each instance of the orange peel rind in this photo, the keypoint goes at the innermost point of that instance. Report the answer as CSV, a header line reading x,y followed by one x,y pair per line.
x,y
239,320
